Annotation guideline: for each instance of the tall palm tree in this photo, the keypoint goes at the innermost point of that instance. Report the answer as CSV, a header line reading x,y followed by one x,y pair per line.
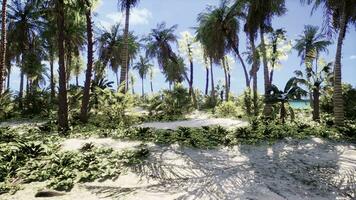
x,y
151,74
25,24
62,93
143,66
159,46
343,14
309,46
88,6
3,43
125,6
110,50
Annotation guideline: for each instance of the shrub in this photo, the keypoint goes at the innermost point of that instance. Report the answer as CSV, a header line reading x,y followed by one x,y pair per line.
x,y
228,109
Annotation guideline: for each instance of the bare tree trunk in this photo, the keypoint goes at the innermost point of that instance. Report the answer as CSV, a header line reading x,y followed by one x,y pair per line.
x,y
125,51
53,91
151,83
143,89
212,80
207,81
316,104
62,94
226,81
254,76
338,99
88,74
3,44
268,106
8,77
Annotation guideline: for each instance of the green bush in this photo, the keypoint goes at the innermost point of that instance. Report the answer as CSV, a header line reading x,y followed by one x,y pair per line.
x,y
228,109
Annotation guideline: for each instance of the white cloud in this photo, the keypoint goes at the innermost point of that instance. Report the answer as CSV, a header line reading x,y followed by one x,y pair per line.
x,y
137,17
353,57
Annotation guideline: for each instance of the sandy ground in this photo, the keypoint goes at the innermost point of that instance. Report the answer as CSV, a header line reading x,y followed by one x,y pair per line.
x,y
289,169
196,119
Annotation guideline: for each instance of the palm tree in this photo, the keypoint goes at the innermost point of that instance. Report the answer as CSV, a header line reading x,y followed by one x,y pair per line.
x,y
188,47
62,94
24,25
109,50
343,14
125,6
309,46
151,73
88,5
143,66
3,43
291,91
315,80
159,46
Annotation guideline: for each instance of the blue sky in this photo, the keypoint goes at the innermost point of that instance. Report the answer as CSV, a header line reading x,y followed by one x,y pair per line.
x,y
184,13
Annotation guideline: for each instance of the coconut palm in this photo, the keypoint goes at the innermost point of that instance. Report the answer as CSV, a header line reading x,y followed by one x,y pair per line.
x,y
143,66
62,92
3,43
87,8
151,74
126,6
309,46
159,46
291,91
109,50
25,24
339,15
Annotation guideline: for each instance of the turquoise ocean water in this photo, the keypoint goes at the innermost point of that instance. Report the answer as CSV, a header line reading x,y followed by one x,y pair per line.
x,y
300,104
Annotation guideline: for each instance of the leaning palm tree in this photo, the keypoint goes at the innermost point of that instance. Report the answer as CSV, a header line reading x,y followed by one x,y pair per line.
x,y
3,43
343,14
143,66
125,6
309,46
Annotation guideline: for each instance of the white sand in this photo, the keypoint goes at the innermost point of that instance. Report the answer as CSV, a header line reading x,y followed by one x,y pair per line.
x,y
290,169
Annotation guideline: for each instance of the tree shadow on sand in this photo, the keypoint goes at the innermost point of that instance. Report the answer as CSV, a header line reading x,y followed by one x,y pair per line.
x,y
290,169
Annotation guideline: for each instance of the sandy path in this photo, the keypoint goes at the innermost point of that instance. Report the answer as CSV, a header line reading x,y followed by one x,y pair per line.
x,y
224,122
289,169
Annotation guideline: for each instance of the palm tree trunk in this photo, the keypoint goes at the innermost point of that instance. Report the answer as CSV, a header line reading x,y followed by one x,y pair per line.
x,y
51,64
283,113
76,80
3,44
212,80
316,104
143,89
338,99
151,83
117,80
226,81
268,106
22,77
88,74
8,77
125,51
62,94
236,49
254,76
207,81
69,63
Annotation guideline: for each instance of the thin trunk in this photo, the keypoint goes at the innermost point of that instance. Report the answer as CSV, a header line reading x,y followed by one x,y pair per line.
x,y
117,80
283,113
226,81
125,51
53,92
151,83
254,76
143,89
212,80
8,75
236,49
127,76
191,81
69,63
316,104
207,81
62,94
338,99
77,80
268,106
88,74
3,44
22,77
